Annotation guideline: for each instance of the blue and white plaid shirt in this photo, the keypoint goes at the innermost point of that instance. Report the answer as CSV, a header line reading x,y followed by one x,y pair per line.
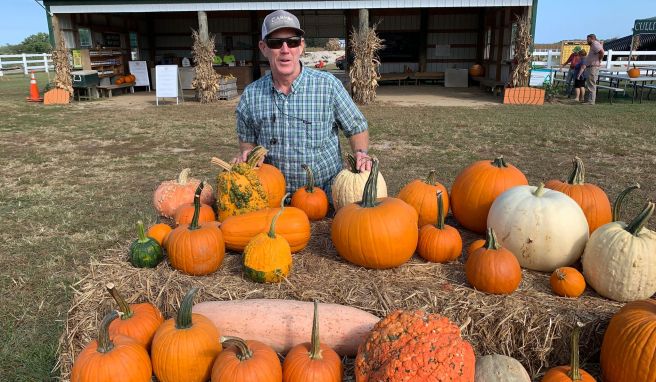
x,y
302,127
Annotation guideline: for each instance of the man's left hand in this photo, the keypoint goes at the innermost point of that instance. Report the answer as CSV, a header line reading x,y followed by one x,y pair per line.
x,y
362,161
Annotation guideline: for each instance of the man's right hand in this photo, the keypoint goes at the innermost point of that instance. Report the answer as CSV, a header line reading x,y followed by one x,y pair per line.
x,y
242,157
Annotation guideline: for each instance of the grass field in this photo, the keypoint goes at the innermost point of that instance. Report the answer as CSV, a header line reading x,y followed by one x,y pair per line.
x,y
76,178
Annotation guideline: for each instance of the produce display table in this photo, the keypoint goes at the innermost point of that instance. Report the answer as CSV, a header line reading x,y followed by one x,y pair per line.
x,y
107,90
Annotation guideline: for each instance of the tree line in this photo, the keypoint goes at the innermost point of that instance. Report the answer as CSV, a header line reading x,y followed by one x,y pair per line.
x,y
36,43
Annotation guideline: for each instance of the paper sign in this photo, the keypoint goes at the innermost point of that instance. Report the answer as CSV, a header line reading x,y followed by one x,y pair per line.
x,y
140,71
167,81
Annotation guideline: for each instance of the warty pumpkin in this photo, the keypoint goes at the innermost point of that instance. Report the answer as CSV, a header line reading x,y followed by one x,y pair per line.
x,y
171,194
348,185
246,361
492,268
500,368
477,186
312,361
185,213
415,346
139,321
439,242
420,194
196,249
120,358
312,200
567,282
592,199
238,189
184,347
375,233
272,179
159,232
145,252
571,372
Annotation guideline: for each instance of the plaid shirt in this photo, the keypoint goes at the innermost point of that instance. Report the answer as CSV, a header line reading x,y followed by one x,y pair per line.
x,y
302,127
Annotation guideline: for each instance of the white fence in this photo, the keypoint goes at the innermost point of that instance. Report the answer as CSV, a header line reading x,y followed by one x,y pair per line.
x,y
551,58
26,62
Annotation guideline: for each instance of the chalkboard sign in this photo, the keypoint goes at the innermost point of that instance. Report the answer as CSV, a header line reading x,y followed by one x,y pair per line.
x,y
112,40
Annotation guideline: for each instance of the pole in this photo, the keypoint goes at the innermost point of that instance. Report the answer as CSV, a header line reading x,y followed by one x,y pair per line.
x,y
630,54
202,26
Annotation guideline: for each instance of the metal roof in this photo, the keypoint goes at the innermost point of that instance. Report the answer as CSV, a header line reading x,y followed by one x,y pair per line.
x,y
647,42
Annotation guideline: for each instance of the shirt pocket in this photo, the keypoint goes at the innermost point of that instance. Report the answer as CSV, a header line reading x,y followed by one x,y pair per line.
x,y
318,134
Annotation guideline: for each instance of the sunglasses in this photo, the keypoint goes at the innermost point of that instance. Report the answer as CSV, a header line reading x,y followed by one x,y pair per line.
x,y
276,43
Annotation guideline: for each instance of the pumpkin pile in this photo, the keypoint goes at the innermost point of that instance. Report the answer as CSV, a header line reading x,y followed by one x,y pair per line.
x,y
129,79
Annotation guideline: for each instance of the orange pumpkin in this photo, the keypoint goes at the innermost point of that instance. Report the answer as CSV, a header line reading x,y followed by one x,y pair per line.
x,y
246,361
567,282
272,180
196,249
572,372
420,194
159,232
476,187
119,81
120,358
185,213
184,347
477,70
476,244
375,233
492,268
592,199
312,361
439,243
139,321
171,194
312,200
633,72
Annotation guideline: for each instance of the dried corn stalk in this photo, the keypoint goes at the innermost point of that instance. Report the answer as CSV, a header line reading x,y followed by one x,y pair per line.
x,y
206,81
62,64
519,76
364,70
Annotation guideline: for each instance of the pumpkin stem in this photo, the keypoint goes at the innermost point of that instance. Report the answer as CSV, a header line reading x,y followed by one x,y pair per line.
x,y
577,176
183,318
352,163
309,186
244,353
194,219
540,190
440,211
370,188
221,163
315,352
256,155
123,306
430,179
491,240
639,221
183,177
499,162
617,205
272,229
105,344
574,370
141,232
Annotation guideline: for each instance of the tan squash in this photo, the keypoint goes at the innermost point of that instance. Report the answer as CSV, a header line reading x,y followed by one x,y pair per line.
x,y
349,183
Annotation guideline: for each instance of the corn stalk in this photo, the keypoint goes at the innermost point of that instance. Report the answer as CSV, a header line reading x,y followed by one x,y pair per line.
x,y
206,81
364,70
519,76
62,64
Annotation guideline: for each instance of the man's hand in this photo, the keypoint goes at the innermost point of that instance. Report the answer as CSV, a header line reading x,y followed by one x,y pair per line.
x,y
362,161
243,156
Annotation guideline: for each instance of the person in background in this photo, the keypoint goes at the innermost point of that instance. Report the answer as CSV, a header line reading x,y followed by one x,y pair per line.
x,y
592,62
573,59
228,57
579,80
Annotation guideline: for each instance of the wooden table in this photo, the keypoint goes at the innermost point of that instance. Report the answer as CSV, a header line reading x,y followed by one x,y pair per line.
x,y
635,81
107,90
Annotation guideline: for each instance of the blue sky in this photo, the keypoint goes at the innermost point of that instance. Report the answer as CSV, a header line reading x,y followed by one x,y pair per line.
x,y
557,19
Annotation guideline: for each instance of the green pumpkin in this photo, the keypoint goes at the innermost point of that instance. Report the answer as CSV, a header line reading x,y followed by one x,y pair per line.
x,y
145,252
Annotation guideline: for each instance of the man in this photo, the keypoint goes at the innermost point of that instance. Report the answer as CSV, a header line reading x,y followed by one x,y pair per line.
x,y
228,57
296,112
591,66
572,60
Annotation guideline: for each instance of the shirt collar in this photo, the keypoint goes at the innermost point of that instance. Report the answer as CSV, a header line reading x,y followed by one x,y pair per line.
x,y
296,84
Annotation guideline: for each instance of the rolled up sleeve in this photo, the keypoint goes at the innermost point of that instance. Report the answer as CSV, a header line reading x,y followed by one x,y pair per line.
x,y
347,115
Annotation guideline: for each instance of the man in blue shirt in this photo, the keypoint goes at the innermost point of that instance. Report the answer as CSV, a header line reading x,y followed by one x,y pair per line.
x,y
296,112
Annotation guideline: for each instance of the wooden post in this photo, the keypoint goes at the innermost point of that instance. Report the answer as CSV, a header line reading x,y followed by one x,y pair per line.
x,y
255,38
202,26
423,40
363,20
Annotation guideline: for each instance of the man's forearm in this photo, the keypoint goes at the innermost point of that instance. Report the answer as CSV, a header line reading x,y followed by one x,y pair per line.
x,y
359,141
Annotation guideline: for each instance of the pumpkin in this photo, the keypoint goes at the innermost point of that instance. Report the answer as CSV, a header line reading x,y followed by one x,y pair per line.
x,y
592,199
312,200
439,243
477,186
476,244
567,282
619,261
375,233
633,72
238,189
184,347
477,70
282,324
106,359
185,213
571,372
268,257
293,225
196,249
312,361
139,321
629,344
415,346
348,184
246,361
544,229
420,194
171,194
119,81
145,252
500,368
159,232
272,179
492,268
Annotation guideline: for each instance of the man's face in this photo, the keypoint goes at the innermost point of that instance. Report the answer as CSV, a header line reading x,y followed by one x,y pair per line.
x,y
590,40
284,61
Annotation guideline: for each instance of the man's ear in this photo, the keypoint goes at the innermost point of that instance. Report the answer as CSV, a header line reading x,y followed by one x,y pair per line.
x,y
262,46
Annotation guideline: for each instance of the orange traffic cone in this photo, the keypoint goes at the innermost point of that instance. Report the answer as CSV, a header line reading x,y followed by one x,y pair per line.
x,y
34,91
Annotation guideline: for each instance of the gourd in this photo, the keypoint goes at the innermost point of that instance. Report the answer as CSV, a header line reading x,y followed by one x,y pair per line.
x,y
592,199
159,232
238,189
571,372
500,368
544,229
139,321
272,179
375,233
185,213
312,200
420,194
171,194
246,361
439,242
477,186
348,185
567,282
145,252
492,268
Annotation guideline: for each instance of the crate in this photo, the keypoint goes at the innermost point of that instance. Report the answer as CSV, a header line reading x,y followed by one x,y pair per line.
x,y
227,88
227,94
85,78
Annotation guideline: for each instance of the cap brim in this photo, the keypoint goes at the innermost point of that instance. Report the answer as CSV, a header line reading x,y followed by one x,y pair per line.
x,y
300,31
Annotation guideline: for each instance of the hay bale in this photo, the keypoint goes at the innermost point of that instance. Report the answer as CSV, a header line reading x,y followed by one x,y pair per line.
x,y
532,325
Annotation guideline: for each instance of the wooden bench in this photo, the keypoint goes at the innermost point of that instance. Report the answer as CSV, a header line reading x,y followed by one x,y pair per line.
x,y
426,76
107,90
496,87
612,90
393,77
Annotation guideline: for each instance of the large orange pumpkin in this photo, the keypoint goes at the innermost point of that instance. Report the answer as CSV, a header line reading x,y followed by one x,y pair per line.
x,y
476,187
492,268
272,180
420,194
571,372
184,347
592,199
312,200
246,361
171,194
139,321
185,213
439,242
375,233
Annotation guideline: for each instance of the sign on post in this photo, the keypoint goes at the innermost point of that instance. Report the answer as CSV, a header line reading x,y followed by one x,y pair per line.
x,y
168,83
139,70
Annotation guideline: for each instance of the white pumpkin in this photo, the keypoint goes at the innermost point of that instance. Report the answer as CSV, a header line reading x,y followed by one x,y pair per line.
x,y
348,185
500,368
543,228
619,261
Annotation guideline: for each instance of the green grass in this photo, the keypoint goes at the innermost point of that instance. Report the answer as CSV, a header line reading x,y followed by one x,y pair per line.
x,y
76,178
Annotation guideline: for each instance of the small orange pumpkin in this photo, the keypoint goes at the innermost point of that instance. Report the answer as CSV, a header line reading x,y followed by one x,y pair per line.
x,y
633,72
159,232
312,200
420,194
571,372
439,243
476,244
567,282
246,361
139,321
185,213
119,81
492,268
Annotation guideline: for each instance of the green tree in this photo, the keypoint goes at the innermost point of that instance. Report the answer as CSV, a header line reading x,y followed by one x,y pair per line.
x,y
36,43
